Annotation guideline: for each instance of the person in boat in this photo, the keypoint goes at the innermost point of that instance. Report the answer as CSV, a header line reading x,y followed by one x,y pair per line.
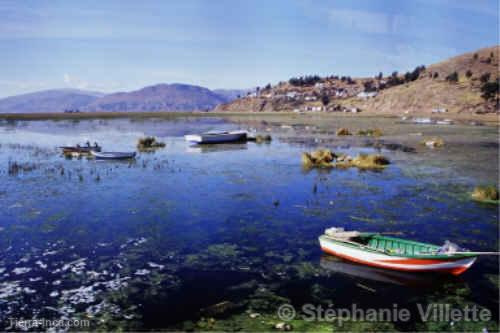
x,y
96,145
88,144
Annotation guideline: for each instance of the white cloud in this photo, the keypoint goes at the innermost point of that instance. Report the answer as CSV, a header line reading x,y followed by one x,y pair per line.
x,y
75,82
365,21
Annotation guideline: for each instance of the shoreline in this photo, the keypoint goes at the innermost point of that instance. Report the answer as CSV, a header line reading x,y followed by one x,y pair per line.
x,y
490,119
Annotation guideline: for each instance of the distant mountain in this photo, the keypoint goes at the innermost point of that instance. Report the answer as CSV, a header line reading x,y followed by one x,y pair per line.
x,y
56,100
232,94
160,97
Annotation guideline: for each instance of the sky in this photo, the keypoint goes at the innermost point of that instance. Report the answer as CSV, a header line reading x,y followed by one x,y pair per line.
x,y
124,45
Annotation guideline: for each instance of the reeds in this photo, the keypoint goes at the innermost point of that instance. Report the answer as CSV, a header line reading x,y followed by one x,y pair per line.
x,y
149,143
325,158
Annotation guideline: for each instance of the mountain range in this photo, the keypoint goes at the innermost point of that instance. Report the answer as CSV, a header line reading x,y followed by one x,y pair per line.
x,y
159,97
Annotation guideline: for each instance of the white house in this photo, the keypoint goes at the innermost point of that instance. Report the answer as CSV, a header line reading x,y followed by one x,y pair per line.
x,y
366,95
439,110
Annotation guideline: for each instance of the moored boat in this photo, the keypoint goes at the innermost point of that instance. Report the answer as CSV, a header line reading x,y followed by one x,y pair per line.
x,y
217,137
85,149
377,250
113,155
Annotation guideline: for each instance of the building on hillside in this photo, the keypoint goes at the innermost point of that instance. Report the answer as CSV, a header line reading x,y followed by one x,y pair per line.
x,y
439,110
366,95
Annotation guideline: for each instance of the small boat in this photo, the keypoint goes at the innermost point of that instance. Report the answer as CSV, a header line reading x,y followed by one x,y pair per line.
x,y
217,137
378,250
113,155
80,149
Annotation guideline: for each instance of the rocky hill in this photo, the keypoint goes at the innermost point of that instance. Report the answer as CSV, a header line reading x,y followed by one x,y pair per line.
x,y
466,84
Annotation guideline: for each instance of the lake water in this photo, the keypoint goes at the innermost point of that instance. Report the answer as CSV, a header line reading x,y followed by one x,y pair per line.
x,y
156,243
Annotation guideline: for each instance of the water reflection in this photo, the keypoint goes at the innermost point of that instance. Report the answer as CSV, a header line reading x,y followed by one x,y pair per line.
x,y
364,272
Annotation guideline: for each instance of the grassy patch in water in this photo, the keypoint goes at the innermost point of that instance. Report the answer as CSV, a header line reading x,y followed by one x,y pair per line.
x,y
375,132
149,143
325,158
485,194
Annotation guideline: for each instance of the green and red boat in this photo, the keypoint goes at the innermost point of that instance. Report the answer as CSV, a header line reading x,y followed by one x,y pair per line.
x,y
378,250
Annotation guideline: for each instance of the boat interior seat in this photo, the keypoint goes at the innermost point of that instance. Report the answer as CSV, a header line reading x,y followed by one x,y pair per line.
x,y
394,246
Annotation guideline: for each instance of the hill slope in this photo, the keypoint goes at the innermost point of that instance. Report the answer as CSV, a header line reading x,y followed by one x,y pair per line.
x,y
419,92
160,97
56,100
431,92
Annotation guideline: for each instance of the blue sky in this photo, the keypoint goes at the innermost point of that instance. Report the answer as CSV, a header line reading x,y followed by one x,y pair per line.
x,y
124,45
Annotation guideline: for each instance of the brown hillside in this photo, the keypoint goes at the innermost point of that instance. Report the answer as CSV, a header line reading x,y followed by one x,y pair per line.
x,y
430,91
427,93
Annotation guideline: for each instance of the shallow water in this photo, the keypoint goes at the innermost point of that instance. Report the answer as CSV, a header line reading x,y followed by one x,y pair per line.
x,y
152,243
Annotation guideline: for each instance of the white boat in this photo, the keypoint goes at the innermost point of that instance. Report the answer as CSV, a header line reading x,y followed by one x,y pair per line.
x,y
108,155
217,137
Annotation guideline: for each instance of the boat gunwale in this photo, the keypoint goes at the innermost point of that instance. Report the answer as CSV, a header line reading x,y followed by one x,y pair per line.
x,y
362,247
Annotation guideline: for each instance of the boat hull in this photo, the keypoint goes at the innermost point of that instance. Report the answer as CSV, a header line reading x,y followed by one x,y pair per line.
x,y
113,155
216,138
455,266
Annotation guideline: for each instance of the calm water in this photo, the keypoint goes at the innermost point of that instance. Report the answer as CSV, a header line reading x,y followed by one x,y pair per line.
x,y
154,243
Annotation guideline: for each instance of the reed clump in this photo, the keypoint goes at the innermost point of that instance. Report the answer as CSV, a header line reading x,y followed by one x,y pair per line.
x,y
370,161
343,131
325,158
433,142
487,193
375,132
321,158
148,143
266,138
15,167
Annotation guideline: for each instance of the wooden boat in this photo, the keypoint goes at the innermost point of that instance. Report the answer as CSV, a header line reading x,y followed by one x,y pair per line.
x,y
377,250
113,155
217,137
80,149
